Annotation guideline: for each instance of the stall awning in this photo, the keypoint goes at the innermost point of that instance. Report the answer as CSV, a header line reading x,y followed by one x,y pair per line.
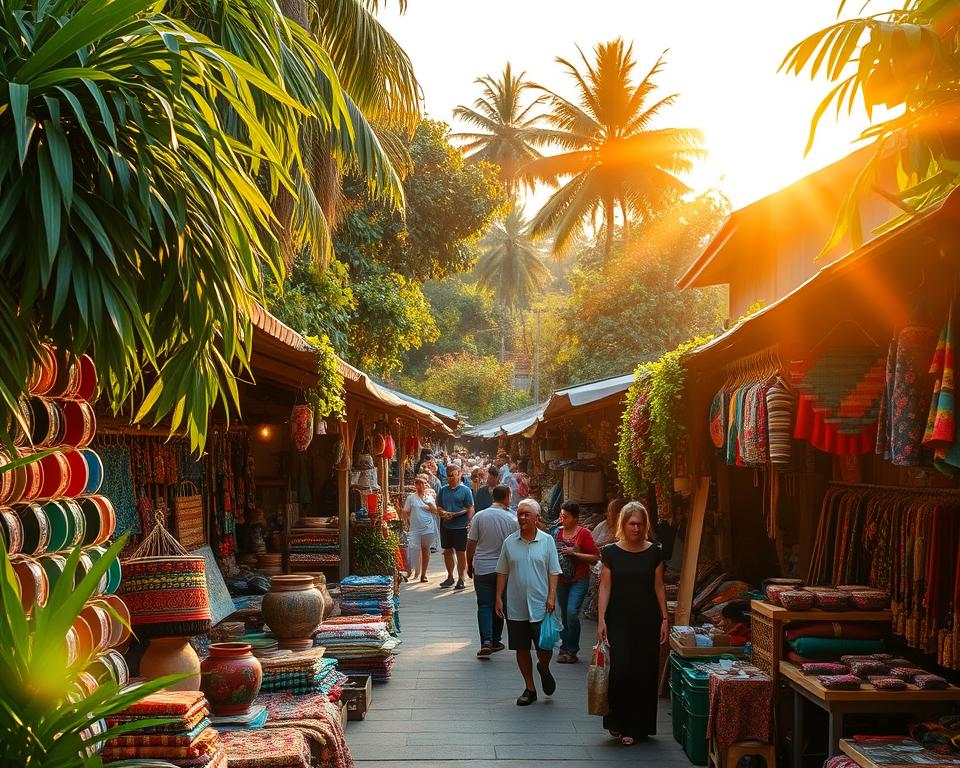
x,y
564,402
447,415
282,356
509,424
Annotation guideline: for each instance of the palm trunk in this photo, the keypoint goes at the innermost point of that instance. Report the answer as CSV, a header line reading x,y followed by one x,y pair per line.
x,y
608,210
626,227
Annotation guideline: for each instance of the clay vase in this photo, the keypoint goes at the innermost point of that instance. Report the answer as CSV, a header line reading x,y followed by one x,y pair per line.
x,y
172,656
293,609
230,678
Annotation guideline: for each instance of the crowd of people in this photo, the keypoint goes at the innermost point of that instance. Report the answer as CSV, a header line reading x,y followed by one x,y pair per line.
x,y
477,511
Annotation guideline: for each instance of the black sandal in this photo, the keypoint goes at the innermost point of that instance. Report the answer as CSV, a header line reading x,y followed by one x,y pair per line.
x,y
526,698
546,679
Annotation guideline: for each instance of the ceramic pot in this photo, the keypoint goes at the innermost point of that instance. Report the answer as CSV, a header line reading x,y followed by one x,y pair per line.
x,y
56,475
35,527
301,426
6,480
230,678
32,580
27,480
44,371
293,609
67,381
23,426
320,582
53,566
11,531
79,475
46,426
88,378
79,423
172,656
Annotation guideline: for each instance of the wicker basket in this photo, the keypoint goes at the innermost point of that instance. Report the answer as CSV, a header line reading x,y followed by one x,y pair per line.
x,y
766,644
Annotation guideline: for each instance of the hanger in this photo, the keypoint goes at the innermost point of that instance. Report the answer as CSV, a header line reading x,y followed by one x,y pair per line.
x,y
847,321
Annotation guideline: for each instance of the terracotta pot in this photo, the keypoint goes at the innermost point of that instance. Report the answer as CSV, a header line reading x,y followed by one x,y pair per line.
x,y
230,678
6,480
293,609
172,656
32,580
44,371
320,582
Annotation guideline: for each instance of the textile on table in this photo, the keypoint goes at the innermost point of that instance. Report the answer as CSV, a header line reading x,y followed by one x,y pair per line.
x,y
824,668
180,703
846,629
266,748
741,709
317,718
833,648
839,682
887,683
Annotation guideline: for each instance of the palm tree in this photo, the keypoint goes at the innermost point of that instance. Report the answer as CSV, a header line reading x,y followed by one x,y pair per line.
x,y
906,58
611,156
508,133
132,224
511,264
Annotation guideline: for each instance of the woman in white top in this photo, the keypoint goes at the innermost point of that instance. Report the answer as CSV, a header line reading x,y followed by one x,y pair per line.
x,y
420,515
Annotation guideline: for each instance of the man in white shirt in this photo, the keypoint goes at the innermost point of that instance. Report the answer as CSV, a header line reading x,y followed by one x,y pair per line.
x,y
527,574
489,529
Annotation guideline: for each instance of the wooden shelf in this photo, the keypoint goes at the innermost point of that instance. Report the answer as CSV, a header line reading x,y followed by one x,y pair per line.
x,y
778,613
867,692
686,652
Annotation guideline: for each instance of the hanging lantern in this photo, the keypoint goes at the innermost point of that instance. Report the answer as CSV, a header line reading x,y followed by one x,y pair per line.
x,y
389,447
377,444
301,426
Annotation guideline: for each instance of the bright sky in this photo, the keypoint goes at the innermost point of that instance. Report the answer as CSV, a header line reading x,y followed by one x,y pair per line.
x,y
722,60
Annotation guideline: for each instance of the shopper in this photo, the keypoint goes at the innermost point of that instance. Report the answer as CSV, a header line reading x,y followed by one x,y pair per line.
x,y
633,622
603,533
483,497
527,573
455,504
489,529
576,544
735,621
420,514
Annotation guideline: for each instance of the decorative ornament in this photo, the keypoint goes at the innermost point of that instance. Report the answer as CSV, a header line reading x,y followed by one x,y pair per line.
x,y
301,426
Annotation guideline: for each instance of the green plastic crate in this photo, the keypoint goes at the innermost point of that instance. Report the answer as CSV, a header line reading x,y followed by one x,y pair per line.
x,y
695,691
695,737
677,715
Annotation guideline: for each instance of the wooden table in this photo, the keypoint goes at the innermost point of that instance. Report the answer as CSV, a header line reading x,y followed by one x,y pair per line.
x,y
838,704
852,750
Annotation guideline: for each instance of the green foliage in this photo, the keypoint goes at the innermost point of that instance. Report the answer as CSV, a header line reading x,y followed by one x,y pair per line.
x,y
629,309
477,386
45,719
132,225
314,301
450,204
392,315
373,554
905,60
468,320
651,425
610,157
327,395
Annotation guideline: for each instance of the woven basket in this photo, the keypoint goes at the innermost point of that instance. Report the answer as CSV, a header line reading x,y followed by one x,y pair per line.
x,y
870,599
797,600
833,600
166,595
188,513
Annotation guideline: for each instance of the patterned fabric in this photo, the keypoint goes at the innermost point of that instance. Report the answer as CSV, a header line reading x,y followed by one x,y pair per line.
x,y
780,405
180,703
941,435
740,709
118,487
930,682
865,668
887,683
824,668
903,415
266,748
206,744
839,682
317,718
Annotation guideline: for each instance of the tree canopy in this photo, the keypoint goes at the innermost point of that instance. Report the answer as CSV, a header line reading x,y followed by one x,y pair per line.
x,y
477,386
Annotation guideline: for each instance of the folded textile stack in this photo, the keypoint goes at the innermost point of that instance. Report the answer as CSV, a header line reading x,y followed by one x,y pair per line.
x,y
315,547
267,748
188,742
829,640
299,672
366,594
316,718
364,647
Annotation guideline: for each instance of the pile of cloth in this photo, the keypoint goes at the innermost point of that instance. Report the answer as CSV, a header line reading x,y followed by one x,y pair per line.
x,y
315,548
302,672
367,595
317,719
362,645
189,741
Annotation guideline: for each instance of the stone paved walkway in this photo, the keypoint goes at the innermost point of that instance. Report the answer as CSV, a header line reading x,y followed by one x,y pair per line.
x,y
445,708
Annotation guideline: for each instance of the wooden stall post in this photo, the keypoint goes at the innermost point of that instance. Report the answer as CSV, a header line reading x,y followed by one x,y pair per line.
x,y
691,553
343,512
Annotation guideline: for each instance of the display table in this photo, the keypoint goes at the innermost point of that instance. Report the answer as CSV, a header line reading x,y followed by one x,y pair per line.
x,y
838,704
768,625
686,652
852,750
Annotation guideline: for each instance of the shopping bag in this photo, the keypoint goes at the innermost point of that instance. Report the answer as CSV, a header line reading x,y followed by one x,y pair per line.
x,y
598,681
549,631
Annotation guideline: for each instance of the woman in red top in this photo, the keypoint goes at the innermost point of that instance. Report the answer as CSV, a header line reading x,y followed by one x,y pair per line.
x,y
576,545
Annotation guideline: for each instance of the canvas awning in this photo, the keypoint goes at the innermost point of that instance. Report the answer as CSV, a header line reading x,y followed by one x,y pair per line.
x,y
509,424
565,402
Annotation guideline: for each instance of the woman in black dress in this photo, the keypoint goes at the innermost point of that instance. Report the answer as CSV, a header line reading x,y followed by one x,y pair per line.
x,y
633,623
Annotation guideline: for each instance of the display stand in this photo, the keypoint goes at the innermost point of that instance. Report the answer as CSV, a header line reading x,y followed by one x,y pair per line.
x,y
839,704
684,652
768,624
852,750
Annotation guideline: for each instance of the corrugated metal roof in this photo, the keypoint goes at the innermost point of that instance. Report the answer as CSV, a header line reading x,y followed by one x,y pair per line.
x,y
512,423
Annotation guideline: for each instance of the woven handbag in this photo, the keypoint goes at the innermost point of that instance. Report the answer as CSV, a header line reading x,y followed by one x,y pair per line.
x,y
188,514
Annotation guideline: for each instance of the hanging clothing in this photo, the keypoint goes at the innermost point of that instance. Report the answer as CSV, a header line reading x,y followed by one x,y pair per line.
x,y
940,435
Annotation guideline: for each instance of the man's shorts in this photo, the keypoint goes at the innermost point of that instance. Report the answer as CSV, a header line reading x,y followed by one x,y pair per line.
x,y
455,538
522,635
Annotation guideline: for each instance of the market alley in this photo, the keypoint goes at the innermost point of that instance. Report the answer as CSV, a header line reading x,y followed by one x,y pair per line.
x,y
443,707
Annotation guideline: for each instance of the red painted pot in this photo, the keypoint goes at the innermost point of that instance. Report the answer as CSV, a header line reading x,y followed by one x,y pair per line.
x,y
79,474
33,584
27,480
56,476
67,381
230,678
87,389
79,423
6,479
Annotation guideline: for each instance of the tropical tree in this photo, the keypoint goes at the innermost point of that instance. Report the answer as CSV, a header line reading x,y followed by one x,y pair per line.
x,y
510,264
508,131
907,60
133,223
610,155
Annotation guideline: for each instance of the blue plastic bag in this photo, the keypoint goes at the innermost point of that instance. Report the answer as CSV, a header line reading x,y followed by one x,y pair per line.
x,y
549,631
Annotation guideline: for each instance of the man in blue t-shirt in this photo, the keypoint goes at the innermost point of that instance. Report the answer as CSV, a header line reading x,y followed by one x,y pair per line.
x,y
455,504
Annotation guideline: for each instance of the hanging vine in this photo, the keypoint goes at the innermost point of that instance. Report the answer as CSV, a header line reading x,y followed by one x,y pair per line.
x,y
650,426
